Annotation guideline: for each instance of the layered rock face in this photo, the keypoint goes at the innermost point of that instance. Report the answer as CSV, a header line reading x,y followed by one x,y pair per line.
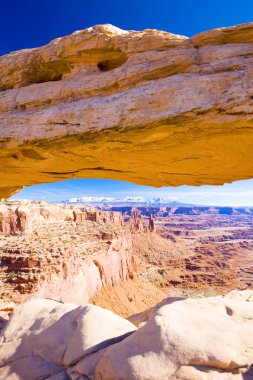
x,y
68,254
149,107
47,339
73,278
17,218
15,221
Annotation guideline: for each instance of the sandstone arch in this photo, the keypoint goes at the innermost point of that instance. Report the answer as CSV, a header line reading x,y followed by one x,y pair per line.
x,y
148,107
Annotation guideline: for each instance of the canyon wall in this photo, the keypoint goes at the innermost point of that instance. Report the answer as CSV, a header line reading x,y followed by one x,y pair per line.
x,y
62,252
17,218
75,279
66,275
149,107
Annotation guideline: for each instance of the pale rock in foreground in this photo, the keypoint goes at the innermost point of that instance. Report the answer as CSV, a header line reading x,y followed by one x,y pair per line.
x,y
197,339
44,337
182,339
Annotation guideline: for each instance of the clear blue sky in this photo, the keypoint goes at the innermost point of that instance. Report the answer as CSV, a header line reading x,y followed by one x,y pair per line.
x,y
239,193
31,23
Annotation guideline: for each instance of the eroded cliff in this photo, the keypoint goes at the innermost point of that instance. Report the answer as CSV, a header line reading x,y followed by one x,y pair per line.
x,y
149,107
61,252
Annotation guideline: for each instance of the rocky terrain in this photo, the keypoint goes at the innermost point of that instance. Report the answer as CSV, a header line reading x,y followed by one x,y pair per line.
x,y
208,255
17,218
149,107
72,254
56,341
152,108
208,250
65,253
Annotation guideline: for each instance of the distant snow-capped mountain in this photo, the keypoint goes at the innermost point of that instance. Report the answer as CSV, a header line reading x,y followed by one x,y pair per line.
x,y
132,199
127,200
105,200
90,200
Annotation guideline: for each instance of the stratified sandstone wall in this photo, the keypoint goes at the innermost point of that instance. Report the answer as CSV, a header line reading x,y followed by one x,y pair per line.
x,y
17,218
92,249
149,107
78,278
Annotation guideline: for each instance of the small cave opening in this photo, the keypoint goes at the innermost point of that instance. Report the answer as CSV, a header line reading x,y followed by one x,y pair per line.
x,y
113,63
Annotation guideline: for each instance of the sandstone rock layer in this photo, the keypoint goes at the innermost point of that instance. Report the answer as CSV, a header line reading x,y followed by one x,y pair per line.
x,y
17,218
65,252
148,107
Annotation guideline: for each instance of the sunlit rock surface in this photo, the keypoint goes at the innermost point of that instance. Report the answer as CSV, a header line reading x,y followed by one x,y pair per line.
x,y
16,218
149,107
181,339
61,251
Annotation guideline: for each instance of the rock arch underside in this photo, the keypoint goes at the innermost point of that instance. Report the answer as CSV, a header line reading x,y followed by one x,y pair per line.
x,y
149,107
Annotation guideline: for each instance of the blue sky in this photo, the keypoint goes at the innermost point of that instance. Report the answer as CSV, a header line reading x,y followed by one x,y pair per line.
x,y
31,23
239,193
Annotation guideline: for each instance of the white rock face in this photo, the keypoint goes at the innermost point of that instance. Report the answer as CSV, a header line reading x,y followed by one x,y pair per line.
x,y
188,339
96,329
49,335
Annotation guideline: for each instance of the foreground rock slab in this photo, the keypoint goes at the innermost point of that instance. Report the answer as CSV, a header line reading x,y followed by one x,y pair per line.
x,y
179,339
44,337
149,107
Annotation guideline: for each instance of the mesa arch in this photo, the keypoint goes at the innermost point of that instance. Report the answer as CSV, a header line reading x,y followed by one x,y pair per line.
x,y
149,107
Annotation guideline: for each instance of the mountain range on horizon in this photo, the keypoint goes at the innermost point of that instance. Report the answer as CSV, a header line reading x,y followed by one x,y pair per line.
x,y
129,200
137,201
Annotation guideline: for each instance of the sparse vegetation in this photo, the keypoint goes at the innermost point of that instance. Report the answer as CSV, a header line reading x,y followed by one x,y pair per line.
x,y
12,274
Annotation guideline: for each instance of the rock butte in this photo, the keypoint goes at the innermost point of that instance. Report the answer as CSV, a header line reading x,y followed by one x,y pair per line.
x,y
149,107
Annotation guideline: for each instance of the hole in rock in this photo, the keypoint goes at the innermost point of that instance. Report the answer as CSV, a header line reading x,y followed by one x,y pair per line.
x,y
229,311
111,64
